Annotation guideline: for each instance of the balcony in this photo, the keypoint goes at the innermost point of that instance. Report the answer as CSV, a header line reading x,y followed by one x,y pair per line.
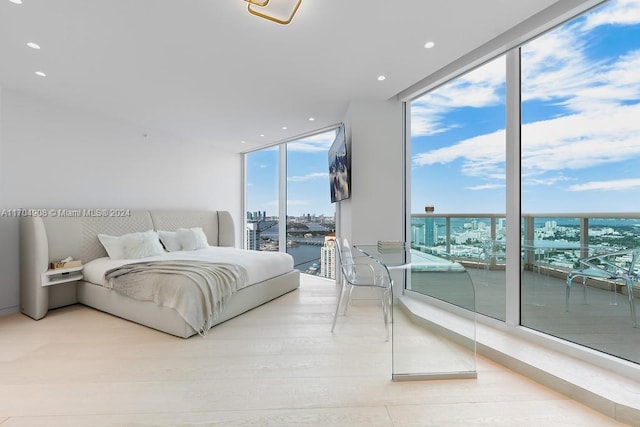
x,y
551,245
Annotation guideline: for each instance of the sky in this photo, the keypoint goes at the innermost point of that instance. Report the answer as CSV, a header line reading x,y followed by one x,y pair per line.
x,y
580,131
580,124
307,177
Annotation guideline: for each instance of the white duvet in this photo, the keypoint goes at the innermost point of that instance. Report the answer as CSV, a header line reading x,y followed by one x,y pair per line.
x,y
260,265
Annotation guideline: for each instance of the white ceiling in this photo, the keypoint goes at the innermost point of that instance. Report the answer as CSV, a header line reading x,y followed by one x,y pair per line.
x,y
207,71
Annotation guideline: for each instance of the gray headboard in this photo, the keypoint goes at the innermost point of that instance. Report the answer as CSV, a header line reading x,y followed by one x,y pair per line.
x,y
44,239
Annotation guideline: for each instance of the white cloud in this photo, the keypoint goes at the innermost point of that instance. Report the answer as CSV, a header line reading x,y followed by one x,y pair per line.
x,y
529,179
479,88
620,12
601,120
581,141
316,143
613,185
554,66
482,155
575,142
486,187
309,177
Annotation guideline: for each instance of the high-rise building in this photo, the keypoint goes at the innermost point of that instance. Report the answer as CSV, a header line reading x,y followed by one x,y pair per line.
x,y
253,236
328,257
424,232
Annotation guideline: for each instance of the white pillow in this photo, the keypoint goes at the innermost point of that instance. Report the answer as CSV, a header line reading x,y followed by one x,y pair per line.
x,y
201,238
170,240
143,245
132,245
192,239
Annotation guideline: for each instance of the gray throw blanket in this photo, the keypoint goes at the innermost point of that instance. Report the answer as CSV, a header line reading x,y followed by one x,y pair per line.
x,y
197,290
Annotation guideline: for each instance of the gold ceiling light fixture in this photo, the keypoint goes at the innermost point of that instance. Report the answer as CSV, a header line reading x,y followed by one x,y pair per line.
x,y
279,11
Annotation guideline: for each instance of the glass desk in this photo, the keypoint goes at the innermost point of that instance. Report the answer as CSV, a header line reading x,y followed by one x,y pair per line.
x,y
389,258
430,339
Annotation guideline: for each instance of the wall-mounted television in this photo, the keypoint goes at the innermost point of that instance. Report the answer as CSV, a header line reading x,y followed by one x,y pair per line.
x,y
339,168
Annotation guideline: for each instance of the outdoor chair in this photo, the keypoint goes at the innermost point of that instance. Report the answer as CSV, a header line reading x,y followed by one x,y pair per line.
x,y
621,266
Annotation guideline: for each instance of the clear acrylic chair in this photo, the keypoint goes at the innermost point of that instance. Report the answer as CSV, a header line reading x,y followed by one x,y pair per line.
x,y
362,272
492,254
621,266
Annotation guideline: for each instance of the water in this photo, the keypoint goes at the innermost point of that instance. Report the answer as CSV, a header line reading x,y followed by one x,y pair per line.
x,y
304,256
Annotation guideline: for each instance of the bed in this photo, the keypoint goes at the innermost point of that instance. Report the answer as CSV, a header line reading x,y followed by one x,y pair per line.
x,y
59,234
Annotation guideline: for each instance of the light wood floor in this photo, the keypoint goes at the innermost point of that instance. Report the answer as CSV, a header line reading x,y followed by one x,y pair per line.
x,y
278,365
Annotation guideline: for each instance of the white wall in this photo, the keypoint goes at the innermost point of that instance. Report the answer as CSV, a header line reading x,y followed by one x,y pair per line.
x,y
375,210
57,157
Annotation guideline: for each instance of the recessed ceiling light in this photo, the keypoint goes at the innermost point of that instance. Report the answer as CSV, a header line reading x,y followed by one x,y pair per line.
x,y
40,73
243,142
33,45
262,135
16,1
429,45
381,78
284,128
311,119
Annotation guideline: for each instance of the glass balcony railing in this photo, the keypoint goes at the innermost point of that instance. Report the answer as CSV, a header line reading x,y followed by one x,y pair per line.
x,y
552,245
476,242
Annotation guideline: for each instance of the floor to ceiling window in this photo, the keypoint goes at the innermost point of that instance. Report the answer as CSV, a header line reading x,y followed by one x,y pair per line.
x,y
458,190
580,148
288,204
579,183
310,214
262,195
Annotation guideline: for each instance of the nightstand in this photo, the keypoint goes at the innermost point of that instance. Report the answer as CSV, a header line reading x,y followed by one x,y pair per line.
x,y
61,275
39,292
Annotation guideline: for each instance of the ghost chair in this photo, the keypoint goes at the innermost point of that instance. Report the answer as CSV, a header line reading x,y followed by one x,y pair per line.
x,y
362,272
621,266
492,255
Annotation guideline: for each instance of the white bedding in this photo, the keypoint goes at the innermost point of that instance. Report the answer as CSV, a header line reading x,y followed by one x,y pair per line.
x,y
260,266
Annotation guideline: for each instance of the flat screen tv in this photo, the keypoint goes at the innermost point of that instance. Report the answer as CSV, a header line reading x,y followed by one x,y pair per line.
x,y
339,168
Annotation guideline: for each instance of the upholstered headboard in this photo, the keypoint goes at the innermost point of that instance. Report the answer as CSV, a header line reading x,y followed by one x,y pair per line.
x,y
44,239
